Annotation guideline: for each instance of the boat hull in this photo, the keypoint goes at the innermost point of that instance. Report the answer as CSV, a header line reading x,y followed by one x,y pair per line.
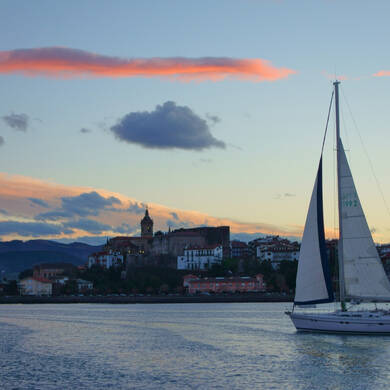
x,y
340,322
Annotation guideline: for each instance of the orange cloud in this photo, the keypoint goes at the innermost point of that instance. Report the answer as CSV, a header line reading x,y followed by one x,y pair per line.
x,y
15,205
382,73
63,62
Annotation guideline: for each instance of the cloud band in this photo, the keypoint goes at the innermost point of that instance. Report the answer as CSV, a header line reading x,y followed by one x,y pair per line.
x,y
63,62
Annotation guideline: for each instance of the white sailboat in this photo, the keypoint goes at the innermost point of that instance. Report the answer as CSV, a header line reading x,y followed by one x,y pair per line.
x,y
361,274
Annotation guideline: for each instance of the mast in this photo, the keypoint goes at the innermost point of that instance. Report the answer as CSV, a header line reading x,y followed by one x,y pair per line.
x,y
340,243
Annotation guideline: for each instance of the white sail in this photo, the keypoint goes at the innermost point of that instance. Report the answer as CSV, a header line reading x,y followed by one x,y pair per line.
x,y
313,276
364,275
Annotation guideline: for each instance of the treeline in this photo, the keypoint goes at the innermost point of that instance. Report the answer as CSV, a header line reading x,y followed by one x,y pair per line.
x,y
164,280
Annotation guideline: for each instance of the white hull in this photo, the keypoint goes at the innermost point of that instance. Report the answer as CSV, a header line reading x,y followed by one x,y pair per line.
x,y
356,322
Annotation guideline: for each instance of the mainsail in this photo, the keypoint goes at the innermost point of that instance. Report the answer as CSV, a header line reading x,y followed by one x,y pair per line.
x,y
313,283
364,275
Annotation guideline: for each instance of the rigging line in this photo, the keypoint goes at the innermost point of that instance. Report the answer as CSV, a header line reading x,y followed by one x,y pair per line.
x,y
367,155
327,122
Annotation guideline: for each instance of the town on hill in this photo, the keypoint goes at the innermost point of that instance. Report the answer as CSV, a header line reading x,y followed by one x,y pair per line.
x,y
197,260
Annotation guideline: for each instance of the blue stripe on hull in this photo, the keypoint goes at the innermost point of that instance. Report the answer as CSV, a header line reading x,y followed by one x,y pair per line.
x,y
343,332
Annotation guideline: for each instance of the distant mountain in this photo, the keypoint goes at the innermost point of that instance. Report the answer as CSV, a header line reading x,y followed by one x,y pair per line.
x,y
16,256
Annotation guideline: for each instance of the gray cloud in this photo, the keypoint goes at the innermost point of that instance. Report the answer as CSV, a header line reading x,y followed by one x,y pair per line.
x,y
1,140
125,228
88,225
213,118
34,229
167,127
38,202
174,215
17,121
4,212
54,215
137,208
83,205
84,130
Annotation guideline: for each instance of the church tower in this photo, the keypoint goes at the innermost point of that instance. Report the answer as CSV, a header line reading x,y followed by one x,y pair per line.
x,y
147,226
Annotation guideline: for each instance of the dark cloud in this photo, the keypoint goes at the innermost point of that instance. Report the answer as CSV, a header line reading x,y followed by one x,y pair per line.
x,y
137,208
34,229
84,130
17,121
1,140
83,205
174,215
173,224
88,203
54,215
125,228
213,118
4,212
38,202
88,225
168,126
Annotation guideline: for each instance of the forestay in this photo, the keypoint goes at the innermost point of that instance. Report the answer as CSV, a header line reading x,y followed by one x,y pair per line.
x,y
364,275
313,283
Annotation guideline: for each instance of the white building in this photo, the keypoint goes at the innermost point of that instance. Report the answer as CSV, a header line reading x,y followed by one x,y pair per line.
x,y
84,285
106,259
277,253
200,258
35,286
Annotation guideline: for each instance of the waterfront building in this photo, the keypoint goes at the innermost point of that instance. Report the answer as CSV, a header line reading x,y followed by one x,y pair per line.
x,y
53,270
32,285
200,258
239,249
275,249
106,259
233,284
84,285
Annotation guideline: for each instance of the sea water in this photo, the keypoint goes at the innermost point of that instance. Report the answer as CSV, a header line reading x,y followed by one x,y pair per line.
x,y
180,346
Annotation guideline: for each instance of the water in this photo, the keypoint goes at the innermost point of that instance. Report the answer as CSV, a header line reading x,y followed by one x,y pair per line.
x,y
180,346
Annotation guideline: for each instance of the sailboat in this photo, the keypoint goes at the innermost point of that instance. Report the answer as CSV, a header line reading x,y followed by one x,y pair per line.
x,y
362,278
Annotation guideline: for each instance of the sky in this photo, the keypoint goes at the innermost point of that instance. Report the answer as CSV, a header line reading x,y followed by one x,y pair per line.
x,y
208,113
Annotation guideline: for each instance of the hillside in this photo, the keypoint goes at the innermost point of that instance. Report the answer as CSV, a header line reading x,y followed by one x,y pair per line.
x,y
16,256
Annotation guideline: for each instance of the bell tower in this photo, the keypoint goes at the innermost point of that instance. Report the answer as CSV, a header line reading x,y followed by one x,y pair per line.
x,y
147,225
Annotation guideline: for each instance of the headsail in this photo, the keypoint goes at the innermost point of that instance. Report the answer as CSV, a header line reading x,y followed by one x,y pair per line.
x,y
364,275
313,276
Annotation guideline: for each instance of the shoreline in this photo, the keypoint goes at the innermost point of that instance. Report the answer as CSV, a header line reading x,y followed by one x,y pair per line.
x,y
152,299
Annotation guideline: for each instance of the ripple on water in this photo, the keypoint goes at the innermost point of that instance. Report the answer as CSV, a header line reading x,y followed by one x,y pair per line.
x,y
193,346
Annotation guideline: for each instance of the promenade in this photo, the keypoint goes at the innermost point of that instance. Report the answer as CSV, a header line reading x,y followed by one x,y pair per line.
x,y
215,298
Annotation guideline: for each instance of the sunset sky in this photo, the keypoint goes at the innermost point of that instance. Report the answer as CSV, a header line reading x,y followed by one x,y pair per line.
x,y
209,112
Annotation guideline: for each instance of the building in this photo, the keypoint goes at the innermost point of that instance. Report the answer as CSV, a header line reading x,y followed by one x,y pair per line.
x,y
174,242
35,286
275,249
233,284
239,249
106,259
147,226
84,285
53,270
200,258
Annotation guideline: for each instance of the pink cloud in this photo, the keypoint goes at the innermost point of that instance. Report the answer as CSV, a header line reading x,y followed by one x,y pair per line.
x,y
15,192
63,62
382,73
